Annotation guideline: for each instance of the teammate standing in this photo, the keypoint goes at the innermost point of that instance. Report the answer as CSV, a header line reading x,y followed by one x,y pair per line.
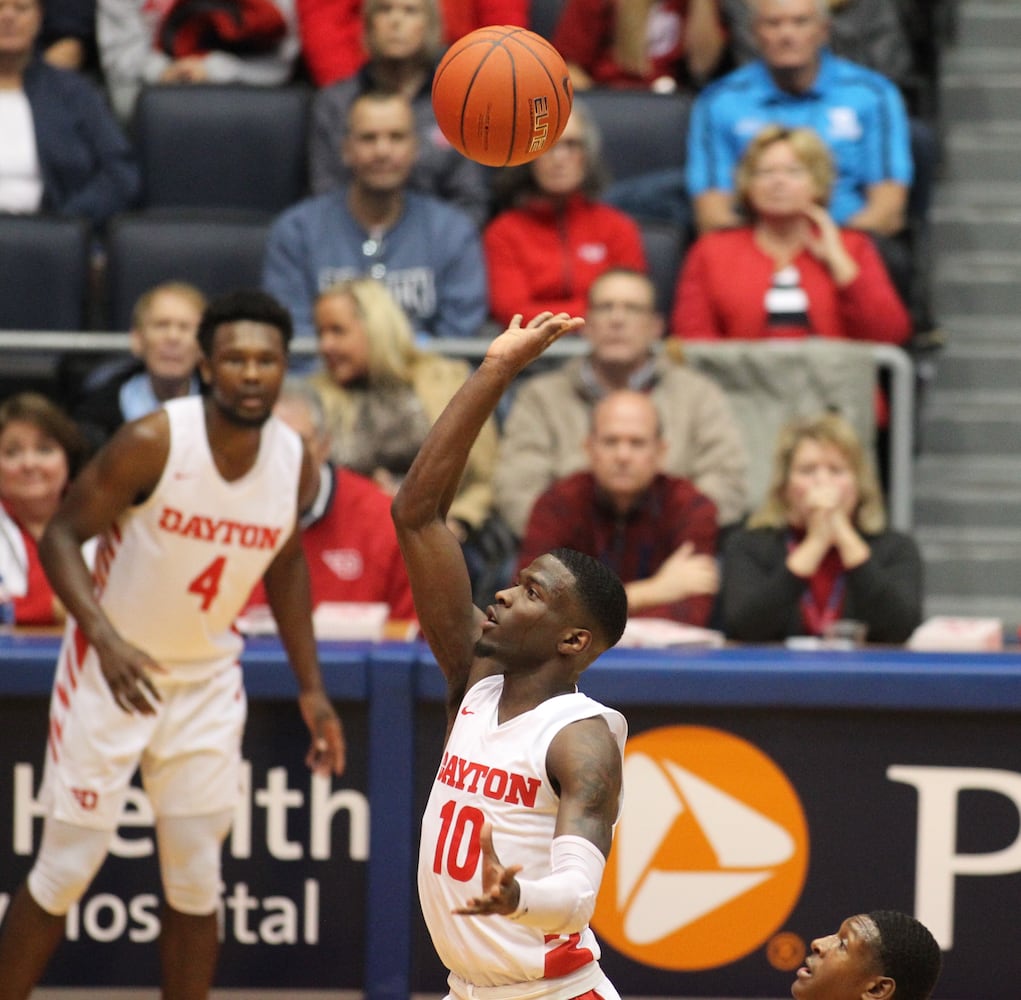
x,y
193,504
531,770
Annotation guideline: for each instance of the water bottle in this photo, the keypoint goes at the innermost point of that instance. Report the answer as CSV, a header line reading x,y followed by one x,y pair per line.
x,y
6,608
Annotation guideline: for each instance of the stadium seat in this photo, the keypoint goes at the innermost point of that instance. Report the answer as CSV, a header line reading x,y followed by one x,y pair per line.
x,y
143,249
44,273
664,249
223,146
543,17
642,131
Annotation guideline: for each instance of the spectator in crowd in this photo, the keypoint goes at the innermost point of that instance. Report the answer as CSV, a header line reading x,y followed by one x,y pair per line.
x,y
40,452
659,45
818,550
427,252
789,271
164,342
869,32
656,532
796,82
874,33
462,16
403,43
62,151
331,39
348,536
554,237
186,41
884,954
382,394
334,34
68,36
545,429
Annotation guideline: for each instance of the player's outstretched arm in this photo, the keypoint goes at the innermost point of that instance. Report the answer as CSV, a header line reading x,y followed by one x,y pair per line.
x,y
122,474
436,568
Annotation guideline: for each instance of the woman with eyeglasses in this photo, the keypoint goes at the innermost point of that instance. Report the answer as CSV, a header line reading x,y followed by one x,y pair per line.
x,y
553,237
790,271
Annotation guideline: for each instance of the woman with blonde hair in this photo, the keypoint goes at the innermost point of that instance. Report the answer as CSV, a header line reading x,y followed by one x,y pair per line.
x,y
818,549
382,394
790,271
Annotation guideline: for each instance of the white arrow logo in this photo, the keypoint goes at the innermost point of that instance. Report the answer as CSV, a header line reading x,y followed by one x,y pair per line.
x,y
657,902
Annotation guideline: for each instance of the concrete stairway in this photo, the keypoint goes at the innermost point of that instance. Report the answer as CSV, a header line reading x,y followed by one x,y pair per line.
x,y
968,477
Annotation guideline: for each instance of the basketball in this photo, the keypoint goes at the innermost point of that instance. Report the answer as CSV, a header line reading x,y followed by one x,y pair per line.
x,y
501,95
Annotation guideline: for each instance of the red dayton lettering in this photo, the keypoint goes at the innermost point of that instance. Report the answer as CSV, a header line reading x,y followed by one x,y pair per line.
x,y
87,798
208,529
492,782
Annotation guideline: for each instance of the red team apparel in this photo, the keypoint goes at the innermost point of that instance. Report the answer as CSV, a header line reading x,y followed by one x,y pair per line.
x,y
498,773
209,541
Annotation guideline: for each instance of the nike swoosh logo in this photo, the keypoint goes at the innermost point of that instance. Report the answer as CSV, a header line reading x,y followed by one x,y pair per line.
x,y
467,711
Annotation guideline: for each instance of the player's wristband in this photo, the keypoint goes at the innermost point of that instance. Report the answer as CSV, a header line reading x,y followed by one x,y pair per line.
x,y
563,901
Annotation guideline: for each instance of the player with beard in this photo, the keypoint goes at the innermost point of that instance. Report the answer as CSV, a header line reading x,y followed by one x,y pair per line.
x,y
193,504
531,769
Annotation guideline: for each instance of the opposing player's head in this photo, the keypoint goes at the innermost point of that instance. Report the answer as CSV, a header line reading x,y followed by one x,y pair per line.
x,y
882,955
244,338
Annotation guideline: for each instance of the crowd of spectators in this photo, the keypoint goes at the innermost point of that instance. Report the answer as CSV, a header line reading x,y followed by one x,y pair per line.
x,y
799,172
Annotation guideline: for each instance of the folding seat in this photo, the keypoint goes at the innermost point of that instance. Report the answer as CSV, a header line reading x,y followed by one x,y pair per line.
x,y
223,146
143,250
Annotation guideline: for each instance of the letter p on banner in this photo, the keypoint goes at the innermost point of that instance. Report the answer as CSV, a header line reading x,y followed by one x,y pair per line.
x,y
937,862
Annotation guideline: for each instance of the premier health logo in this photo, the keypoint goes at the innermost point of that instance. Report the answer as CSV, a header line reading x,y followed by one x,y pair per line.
x,y
710,854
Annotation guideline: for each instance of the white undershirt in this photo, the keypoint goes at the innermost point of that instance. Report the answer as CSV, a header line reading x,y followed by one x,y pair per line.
x,y
21,183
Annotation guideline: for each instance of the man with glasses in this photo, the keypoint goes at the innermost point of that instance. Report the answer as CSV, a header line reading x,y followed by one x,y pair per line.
x,y
798,82
549,421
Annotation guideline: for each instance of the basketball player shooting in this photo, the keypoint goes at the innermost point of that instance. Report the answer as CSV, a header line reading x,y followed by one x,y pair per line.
x,y
520,817
193,504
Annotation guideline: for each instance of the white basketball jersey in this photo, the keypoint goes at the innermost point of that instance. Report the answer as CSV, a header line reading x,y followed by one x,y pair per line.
x,y
498,773
173,572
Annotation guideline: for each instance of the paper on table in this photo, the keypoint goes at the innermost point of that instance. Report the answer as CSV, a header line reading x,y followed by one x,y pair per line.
x,y
330,620
661,633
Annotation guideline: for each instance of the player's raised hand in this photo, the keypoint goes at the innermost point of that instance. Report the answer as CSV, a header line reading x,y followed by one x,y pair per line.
x,y
519,344
500,890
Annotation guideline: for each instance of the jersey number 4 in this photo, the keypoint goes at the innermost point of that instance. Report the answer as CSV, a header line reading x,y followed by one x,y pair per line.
x,y
207,583
462,833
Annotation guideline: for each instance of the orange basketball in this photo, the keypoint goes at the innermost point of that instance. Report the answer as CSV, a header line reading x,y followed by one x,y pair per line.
x,y
501,95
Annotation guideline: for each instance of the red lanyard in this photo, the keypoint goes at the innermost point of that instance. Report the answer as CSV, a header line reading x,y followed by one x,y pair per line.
x,y
815,613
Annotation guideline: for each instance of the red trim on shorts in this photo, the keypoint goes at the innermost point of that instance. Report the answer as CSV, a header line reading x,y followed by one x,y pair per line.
x,y
591,995
54,739
566,957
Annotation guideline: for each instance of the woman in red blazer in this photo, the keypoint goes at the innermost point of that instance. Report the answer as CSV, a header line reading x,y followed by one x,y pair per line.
x,y
791,271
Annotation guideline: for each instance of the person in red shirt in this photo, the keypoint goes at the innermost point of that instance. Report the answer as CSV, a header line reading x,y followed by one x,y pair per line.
x,y
790,271
462,16
348,537
41,449
657,532
554,238
660,45
333,31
